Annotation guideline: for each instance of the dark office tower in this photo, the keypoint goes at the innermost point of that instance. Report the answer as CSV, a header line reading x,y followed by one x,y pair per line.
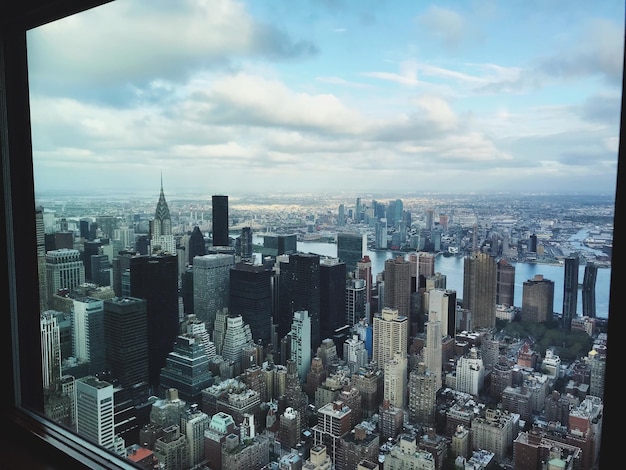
x,y
186,290
126,339
398,285
84,229
246,248
332,296
505,291
187,369
276,245
570,290
358,210
142,244
251,297
119,265
91,248
532,243
479,289
41,259
350,249
538,299
299,289
197,246
220,221
100,270
364,271
589,290
155,278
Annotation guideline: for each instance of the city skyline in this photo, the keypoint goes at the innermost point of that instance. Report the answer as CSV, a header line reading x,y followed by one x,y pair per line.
x,y
230,97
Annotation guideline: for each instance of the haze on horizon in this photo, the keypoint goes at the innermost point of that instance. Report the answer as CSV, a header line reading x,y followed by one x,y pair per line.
x,y
235,97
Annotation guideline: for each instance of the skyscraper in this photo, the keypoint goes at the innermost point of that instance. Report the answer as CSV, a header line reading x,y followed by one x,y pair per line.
x,y
197,245
395,380
350,248
570,290
64,270
433,355
422,395
355,301
398,285
381,234
538,299
88,333
162,239
94,411
186,369
364,271
425,268
251,297
479,289
126,338
332,296
220,221
237,338
505,291
246,248
50,349
301,342
299,289
390,332
589,290
155,279
442,307
211,285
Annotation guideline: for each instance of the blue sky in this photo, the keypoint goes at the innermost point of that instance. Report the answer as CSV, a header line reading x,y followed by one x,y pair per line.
x,y
368,96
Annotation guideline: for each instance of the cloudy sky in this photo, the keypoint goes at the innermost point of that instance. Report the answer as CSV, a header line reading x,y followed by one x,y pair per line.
x,y
224,96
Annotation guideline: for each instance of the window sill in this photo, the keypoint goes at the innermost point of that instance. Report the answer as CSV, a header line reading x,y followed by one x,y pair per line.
x,y
31,441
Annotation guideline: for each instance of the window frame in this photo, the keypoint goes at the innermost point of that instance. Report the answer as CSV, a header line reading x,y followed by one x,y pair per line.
x,y
26,433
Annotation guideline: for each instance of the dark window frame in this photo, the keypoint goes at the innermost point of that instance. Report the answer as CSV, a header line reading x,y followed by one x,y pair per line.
x,y
29,439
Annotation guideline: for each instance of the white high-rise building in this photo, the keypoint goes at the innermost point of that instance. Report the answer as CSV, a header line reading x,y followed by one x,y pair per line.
x,y
433,356
354,353
301,342
94,408
390,335
50,349
211,285
470,373
439,304
395,381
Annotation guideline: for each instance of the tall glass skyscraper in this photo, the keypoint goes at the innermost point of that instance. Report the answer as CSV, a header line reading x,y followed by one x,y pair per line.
x,y
350,249
479,289
589,290
220,221
155,279
299,289
251,297
570,290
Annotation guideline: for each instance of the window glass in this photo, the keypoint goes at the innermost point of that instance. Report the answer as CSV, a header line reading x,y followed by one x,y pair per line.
x,y
425,136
